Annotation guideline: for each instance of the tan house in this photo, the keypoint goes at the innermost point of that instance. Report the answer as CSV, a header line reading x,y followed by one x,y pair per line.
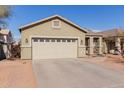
x,y
53,37
57,37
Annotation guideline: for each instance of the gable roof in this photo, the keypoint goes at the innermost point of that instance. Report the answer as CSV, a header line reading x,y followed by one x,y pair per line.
x,y
52,17
113,32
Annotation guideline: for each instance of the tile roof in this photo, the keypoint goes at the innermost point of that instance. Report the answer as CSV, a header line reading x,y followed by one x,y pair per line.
x,y
112,32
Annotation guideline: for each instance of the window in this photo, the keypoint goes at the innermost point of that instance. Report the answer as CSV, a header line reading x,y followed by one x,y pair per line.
x,y
47,40
35,40
63,40
41,40
68,40
56,24
52,40
73,40
58,40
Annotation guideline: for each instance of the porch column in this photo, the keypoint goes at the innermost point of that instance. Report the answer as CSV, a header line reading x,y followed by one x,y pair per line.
x,y
118,43
91,46
100,45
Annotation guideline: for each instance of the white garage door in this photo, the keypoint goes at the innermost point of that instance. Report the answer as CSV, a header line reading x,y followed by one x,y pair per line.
x,y
43,48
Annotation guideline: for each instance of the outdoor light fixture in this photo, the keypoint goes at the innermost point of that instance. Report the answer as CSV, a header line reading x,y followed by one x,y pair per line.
x,y
81,43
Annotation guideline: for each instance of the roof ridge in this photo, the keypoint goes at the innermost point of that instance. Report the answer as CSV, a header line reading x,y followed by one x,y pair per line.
x,y
66,20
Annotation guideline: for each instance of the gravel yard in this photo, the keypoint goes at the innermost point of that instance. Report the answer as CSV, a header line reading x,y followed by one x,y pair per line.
x,y
16,73
114,62
63,72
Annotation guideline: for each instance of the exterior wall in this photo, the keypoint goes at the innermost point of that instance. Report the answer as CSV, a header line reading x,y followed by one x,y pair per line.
x,y
105,49
9,38
81,51
6,38
5,51
26,53
5,47
46,29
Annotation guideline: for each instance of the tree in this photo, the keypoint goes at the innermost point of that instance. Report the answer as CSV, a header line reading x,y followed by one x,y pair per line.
x,y
5,12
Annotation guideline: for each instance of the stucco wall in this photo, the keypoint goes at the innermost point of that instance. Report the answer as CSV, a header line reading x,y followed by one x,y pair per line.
x,y
26,53
45,29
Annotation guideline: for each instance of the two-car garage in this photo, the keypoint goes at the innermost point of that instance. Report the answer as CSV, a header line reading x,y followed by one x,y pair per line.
x,y
46,48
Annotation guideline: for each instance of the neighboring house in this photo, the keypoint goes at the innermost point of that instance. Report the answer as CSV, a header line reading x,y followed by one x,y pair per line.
x,y
6,41
108,41
113,38
57,37
53,37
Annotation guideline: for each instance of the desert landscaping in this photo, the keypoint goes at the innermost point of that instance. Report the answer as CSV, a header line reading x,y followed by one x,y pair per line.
x,y
19,73
115,62
16,73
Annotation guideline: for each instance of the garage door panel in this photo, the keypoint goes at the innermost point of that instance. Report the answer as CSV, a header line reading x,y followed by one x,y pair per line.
x,y
54,49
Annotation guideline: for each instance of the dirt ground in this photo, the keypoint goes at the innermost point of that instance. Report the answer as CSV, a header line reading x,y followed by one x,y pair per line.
x,y
19,73
115,62
16,74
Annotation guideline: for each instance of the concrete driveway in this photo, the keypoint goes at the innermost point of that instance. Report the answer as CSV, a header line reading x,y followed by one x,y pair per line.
x,y
75,73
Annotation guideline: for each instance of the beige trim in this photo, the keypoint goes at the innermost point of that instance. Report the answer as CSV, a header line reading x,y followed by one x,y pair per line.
x,y
53,17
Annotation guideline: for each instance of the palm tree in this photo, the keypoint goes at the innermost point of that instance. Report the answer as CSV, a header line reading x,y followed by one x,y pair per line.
x,y
5,12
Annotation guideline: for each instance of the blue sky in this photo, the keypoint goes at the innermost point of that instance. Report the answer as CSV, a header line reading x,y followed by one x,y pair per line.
x,y
92,17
